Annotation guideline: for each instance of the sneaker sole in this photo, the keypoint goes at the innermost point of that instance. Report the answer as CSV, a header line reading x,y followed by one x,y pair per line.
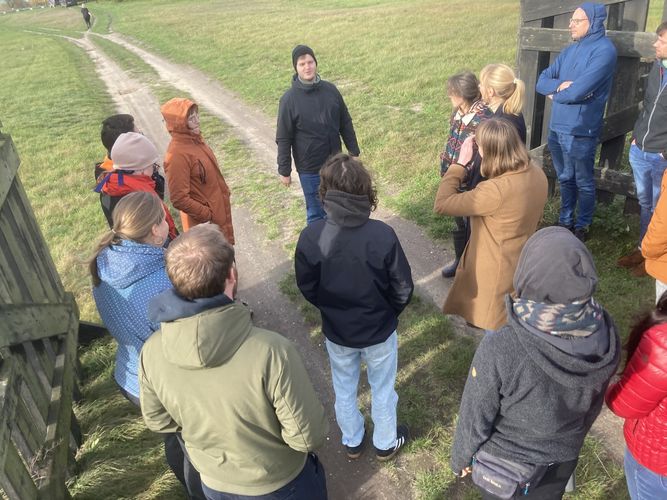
x,y
381,458
354,456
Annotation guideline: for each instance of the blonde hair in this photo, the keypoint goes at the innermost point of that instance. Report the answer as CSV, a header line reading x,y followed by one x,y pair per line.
x,y
199,262
506,85
133,219
502,148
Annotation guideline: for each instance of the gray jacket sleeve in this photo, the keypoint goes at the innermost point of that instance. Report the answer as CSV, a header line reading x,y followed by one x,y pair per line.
x,y
285,136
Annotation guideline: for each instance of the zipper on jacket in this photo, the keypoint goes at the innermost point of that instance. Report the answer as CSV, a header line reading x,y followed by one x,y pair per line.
x,y
655,105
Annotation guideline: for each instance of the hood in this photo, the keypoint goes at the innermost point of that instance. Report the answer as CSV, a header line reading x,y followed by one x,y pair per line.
x,y
306,87
124,264
596,14
573,369
175,113
555,268
347,210
199,333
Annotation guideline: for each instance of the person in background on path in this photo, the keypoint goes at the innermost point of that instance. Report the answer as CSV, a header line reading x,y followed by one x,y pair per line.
x,y
468,111
654,244
312,118
536,386
240,396
579,82
127,270
86,15
504,210
640,397
648,151
196,185
354,271
134,168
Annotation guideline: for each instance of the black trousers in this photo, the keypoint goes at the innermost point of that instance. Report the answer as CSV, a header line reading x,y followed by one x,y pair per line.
x,y
552,485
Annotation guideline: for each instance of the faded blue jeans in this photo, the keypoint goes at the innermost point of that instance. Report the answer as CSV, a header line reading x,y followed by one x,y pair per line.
x,y
647,169
643,484
310,183
574,161
381,365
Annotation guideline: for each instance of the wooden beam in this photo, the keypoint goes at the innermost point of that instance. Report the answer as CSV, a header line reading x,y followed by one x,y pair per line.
x,y
26,322
9,164
538,9
628,43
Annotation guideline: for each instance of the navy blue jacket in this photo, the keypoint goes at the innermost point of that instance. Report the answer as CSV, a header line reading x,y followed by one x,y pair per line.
x,y
589,63
354,271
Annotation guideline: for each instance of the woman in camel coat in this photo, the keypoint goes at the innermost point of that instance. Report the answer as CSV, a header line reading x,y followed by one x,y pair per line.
x,y
504,212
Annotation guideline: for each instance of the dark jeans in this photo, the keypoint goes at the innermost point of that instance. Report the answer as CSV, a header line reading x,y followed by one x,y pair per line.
x,y
552,485
310,484
310,183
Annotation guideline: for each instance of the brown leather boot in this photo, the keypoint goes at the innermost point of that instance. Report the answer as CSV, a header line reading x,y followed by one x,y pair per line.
x,y
639,270
631,259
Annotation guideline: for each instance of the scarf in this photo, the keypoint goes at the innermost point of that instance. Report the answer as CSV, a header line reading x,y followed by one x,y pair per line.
x,y
577,319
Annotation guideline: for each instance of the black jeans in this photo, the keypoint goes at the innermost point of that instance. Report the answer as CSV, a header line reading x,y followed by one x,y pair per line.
x,y
552,485
310,484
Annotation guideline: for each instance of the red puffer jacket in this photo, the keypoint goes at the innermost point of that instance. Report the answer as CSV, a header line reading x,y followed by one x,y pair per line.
x,y
641,398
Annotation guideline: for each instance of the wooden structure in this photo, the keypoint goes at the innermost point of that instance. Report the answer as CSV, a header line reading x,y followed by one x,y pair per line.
x,y
38,342
543,34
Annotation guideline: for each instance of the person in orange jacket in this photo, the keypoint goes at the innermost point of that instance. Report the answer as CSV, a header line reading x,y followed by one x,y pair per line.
x,y
654,244
196,185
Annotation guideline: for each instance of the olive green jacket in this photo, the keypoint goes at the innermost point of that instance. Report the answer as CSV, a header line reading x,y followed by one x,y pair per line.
x,y
239,395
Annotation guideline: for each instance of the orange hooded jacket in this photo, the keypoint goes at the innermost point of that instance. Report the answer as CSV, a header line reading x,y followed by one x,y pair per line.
x,y
196,185
654,243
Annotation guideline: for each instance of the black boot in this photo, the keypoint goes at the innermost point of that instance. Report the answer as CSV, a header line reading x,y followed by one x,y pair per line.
x,y
460,237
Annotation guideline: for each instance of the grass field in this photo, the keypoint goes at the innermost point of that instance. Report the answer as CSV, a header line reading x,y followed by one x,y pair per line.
x,y
390,59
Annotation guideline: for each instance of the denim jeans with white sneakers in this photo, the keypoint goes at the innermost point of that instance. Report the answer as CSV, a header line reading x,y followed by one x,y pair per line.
x,y
381,365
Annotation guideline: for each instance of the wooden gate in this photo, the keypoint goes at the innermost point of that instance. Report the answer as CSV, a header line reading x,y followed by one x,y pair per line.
x,y
543,34
38,341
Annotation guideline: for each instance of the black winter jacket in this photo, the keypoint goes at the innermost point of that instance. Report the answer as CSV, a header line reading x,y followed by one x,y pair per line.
x,y
311,120
354,271
650,130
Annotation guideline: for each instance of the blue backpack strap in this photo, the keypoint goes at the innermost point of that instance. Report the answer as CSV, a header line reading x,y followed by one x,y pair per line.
x,y
100,185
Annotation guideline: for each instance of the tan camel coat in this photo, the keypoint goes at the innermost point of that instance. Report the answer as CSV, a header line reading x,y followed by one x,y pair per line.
x,y
504,213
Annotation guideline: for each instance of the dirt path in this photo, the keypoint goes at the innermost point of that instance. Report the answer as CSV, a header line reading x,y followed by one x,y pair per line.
x,y
263,264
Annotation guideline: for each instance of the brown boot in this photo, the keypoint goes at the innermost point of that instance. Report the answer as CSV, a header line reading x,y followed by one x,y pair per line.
x,y
631,259
639,270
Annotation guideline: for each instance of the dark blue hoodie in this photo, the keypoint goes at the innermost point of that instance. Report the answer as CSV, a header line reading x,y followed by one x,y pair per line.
x,y
589,63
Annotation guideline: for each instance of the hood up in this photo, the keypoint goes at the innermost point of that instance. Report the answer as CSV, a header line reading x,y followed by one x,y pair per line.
x,y
596,14
347,210
175,113
124,264
199,333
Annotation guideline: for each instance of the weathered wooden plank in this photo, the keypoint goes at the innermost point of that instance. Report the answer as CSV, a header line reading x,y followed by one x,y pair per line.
x,y
60,416
628,44
17,290
27,322
9,164
33,397
27,441
37,364
538,9
16,475
635,14
619,123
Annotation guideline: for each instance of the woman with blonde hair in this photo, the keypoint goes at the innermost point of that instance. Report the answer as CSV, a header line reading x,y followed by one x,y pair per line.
x,y
504,94
504,212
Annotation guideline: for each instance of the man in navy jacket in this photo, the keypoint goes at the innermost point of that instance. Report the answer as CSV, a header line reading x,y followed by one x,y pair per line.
x,y
579,82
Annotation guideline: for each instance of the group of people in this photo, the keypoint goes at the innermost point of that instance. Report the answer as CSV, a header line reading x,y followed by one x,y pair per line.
x,y
238,412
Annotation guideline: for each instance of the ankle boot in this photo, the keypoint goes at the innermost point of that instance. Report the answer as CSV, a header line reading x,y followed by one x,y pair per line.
x,y
460,240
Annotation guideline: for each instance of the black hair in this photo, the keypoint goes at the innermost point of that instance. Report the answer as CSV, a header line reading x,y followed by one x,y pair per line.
x,y
112,127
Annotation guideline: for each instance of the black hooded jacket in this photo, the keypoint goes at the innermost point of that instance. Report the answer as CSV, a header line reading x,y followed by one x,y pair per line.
x,y
311,120
354,271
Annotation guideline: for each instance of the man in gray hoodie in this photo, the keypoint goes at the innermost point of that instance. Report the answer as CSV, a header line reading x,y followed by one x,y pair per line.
x,y
537,384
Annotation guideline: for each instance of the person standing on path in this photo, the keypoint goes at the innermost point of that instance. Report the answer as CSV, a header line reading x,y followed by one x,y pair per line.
x,y
354,270
249,417
640,397
86,15
579,82
312,118
648,151
196,185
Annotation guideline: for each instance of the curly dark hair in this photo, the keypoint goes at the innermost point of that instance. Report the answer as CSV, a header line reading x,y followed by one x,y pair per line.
x,y
344,173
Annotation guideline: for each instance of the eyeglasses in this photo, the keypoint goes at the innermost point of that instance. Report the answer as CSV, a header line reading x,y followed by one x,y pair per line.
x,y
577,21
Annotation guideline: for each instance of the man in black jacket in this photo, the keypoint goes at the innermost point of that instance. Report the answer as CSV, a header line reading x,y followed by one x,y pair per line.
x,y
649,147
312,117
354,271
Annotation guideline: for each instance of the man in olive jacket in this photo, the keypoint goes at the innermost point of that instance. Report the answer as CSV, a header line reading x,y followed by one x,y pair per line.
x,y
239,395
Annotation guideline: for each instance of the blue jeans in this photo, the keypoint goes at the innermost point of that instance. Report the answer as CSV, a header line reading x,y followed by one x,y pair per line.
x,y
381,365
310,183
647,169
310,484
643,484
574,161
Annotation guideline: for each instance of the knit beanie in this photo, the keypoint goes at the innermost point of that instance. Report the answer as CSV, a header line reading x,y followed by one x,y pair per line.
x,y
555,267
302,50
133,151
